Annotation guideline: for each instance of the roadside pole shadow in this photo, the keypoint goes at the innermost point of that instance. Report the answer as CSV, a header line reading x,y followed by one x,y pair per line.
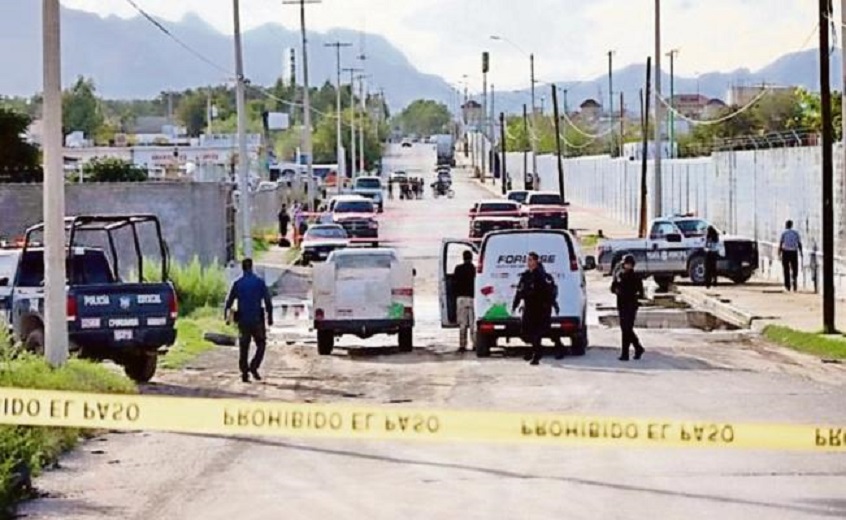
x,y
167,389
835,507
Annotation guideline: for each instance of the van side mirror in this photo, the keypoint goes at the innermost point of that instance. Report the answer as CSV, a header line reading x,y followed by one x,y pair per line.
x,y
673,238
4,282
589,263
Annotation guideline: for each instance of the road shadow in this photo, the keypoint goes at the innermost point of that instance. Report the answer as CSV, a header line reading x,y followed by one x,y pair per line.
x,y
170,389
833,507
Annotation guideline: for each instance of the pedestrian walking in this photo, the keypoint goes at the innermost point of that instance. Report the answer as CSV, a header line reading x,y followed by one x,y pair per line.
x,y
464,282
628,286
250,292
712,254
284,222
789,250
390,189
299,221
538,293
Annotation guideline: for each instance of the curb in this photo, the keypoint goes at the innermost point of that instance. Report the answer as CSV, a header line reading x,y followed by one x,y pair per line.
x,y
721,309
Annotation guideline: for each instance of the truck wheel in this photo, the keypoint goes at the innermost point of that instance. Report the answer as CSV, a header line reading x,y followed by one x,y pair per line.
x,y
34,342
484,342
141,366
374,244
406,340
579,343
325,342
696,270
741,278
664,283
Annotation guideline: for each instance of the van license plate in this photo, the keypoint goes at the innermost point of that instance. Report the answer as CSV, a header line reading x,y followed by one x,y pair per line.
x,y
123,335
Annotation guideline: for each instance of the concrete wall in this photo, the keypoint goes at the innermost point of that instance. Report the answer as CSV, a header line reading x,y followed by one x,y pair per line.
x,y
749,193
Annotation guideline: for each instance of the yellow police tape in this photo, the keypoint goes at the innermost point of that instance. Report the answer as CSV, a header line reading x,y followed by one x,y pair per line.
x,y
248,418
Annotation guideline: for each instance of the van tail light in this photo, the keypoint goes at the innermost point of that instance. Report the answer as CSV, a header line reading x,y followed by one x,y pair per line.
x,y
71,307
486,327
173,305
480,267
319,315
574,263
408,313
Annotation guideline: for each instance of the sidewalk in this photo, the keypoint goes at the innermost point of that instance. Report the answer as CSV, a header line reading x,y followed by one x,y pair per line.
x,y
755,304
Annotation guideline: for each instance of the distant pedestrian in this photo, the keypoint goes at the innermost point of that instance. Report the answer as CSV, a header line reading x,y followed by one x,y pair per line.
x,y
538,293
299,221
464,279
250,291
284,222
390,189
789,250
628,286
712,254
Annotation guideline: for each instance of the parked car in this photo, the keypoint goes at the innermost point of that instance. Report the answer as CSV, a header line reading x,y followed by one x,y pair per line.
x,y
321,240
501,259
494,215
675,248
108,318
546,210
357,216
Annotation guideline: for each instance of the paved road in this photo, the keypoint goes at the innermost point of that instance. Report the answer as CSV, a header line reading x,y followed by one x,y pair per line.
x,y
685,374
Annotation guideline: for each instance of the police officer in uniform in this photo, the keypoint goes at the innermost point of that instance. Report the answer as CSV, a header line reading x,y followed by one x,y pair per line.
x,y
628,286
537,291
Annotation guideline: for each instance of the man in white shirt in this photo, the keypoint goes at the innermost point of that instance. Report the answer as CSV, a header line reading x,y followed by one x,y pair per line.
x,y
789,250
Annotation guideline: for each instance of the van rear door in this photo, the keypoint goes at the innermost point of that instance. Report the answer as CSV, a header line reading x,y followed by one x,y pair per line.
x,y
503,259
363,286
451,256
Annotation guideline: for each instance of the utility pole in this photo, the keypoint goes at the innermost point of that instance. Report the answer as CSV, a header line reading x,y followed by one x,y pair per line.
x,y
352,71
622,122
611,97
362,98
55,278
502,169
244,207
657,196
829,327
526,149
644,125
307,148
209,114
492,119
672,115
485,65
558,142
339,153
534,124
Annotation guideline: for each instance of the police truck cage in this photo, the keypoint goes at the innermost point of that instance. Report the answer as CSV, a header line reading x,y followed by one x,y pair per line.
x,y
108,224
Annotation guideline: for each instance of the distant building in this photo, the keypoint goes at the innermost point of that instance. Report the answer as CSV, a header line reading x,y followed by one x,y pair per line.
x,y
472,112
740,95
714,108
590,110
690,105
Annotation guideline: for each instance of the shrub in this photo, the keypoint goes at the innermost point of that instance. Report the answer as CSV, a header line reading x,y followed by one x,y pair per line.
x,y
196,286
110,169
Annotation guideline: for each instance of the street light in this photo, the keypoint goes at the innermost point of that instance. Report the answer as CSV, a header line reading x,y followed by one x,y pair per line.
x,y
534,108
672,55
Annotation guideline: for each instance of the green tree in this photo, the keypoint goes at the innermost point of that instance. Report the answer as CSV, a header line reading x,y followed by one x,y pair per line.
x,y
110,169
16,155
192,112
424,117
81,108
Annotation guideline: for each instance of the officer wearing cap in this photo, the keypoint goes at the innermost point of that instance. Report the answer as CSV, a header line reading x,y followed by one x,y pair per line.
x,y
628,286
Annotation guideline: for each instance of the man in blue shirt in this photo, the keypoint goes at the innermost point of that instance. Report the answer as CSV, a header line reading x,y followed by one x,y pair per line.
x,y
251,292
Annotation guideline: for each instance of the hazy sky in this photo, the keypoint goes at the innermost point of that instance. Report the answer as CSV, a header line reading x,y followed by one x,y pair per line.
x,y
570,38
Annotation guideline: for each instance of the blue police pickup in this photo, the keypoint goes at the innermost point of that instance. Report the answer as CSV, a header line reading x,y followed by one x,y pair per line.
x,y
108,318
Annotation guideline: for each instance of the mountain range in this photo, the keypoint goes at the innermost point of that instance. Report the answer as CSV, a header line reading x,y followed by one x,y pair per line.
x,y
131,58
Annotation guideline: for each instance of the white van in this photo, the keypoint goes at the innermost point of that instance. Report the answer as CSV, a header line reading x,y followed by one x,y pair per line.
x,y
501,259
363,292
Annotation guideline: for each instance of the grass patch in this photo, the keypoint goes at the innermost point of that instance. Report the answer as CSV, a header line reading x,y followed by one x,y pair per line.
x,y
189,338
827,347
291,255
197,286
24,450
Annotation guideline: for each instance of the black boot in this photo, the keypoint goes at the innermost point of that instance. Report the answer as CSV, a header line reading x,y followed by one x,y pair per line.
x,y
639,352
245,377
255,374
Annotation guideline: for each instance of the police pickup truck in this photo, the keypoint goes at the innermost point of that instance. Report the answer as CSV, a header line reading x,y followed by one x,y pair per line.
x,y
675,247
545,210
107,317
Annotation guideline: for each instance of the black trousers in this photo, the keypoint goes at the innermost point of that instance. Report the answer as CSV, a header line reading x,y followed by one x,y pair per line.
x,y
536,328
711,269
246,334
628,315
790,263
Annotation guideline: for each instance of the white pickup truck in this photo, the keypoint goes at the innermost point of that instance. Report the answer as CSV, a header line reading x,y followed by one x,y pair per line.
x,y
363,292
674,247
